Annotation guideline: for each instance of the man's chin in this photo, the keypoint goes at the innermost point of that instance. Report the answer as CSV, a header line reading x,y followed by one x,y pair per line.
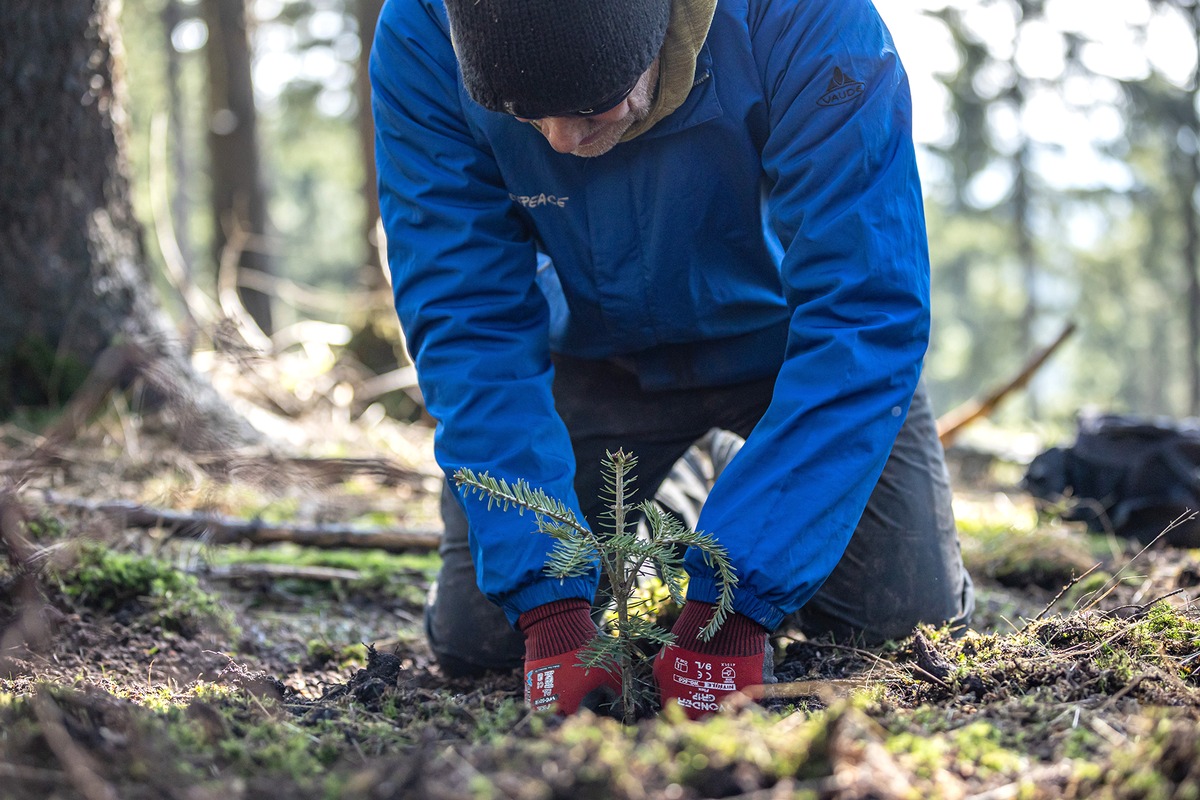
x,y
605,140
593,150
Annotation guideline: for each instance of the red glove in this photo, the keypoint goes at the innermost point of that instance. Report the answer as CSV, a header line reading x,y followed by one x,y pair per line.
x,y
696,674
555,633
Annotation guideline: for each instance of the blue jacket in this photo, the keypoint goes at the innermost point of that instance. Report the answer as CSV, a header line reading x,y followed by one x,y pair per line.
x,y
771,225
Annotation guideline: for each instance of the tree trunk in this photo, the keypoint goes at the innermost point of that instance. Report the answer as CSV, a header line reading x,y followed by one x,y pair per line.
x,y
1191,250
238,197
367,12
73,279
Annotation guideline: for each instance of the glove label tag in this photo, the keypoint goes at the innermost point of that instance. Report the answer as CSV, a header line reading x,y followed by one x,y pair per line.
x,y
699,683
539,687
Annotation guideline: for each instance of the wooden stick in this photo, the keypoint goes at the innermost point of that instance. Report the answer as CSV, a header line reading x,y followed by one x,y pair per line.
x,y
953,421
221,529
282,572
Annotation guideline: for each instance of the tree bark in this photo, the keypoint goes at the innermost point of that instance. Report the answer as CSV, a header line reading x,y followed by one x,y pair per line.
x,y
238,197
73,279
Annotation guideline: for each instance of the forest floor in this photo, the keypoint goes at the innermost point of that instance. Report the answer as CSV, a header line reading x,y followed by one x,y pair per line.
x,y
140,663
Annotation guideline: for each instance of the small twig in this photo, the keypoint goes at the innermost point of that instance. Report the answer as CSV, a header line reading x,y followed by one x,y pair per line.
x,y
931,677
1142,608
1105,590
1070,585
283,572
308,298
401,379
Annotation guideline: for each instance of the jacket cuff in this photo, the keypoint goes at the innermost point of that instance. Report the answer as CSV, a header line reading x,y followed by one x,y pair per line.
x,y
704,590
548,590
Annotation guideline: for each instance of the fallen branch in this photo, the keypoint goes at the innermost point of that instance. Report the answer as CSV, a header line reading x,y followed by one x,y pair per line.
x,y
953,421
221,529
276,572
316,471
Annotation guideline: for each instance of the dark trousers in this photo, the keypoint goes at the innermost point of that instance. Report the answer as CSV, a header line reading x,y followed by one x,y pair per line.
x,y
902,566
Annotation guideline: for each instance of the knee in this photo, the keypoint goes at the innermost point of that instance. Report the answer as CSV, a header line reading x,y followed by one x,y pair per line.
x,y
469,636
890,611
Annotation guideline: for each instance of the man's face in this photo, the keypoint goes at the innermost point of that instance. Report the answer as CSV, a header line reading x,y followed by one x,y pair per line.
x,y
596,135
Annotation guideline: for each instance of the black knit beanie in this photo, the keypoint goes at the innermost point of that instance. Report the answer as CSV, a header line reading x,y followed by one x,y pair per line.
x,y
545,58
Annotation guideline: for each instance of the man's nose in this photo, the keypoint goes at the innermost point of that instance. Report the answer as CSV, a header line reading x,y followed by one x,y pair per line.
x,y
564,133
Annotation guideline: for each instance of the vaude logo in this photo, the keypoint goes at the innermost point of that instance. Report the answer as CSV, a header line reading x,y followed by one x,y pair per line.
x,y
536,200
842,89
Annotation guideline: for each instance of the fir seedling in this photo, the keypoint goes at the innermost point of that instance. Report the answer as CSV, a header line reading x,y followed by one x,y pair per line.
x,y
624,556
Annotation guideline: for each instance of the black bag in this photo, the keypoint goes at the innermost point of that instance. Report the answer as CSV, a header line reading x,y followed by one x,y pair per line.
x,y
1133,476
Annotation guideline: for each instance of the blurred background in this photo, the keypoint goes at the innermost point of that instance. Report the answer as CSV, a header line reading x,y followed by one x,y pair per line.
x,y
1058,147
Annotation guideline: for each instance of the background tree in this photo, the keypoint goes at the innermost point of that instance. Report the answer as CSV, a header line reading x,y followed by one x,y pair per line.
x,y
239,200
1057,187
368,16
72,271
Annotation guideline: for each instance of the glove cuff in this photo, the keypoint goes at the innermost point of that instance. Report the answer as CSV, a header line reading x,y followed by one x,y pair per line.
x,y
738,636
555,628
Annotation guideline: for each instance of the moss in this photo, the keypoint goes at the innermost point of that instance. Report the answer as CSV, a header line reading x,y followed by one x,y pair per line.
x,y
346,657
1163,623
924,755
982,745
1082,744
45,528
113,582
493,725
978,750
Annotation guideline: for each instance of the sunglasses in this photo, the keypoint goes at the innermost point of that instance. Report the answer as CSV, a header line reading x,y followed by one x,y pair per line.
x,y
602,107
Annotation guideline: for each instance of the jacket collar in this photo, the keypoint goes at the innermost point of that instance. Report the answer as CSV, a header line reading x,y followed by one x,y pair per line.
x,y
679,61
